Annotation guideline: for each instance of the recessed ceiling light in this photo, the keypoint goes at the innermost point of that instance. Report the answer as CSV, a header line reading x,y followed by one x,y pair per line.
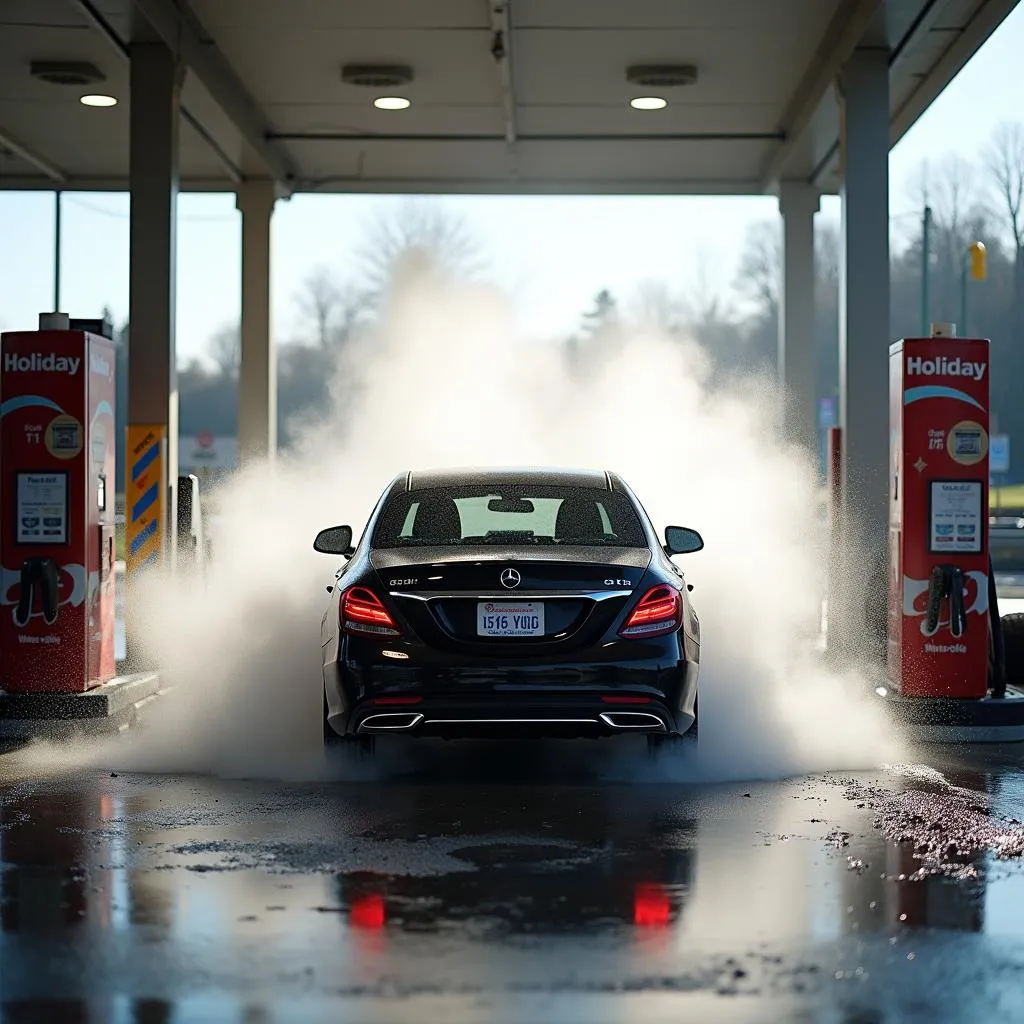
x,y
391,103
648,103
99,100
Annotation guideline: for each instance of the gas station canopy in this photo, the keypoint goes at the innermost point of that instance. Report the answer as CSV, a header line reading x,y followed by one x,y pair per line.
x,y
507,96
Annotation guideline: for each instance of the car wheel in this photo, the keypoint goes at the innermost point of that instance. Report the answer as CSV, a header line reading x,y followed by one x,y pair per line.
x,y
1013,647
355,748
656,744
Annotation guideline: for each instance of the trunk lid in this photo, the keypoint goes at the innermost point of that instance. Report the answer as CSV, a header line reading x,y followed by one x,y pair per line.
x,y
512,602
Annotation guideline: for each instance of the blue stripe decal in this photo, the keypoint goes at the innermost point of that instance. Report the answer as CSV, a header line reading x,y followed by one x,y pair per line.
x,y
146,460
937,391
151,560
28,402
148,531
148,499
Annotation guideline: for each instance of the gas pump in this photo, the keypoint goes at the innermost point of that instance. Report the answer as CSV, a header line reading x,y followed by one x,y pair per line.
x,y
939,633
57,394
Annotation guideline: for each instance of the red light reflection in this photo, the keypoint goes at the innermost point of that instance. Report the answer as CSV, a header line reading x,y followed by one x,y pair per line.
x,y
367,912
652,907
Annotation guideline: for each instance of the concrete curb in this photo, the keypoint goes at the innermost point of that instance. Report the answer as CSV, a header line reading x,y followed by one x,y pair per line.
x,y
110,708
943,720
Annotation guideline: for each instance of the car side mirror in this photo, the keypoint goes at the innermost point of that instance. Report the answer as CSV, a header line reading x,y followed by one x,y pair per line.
x,y
335,540
681,540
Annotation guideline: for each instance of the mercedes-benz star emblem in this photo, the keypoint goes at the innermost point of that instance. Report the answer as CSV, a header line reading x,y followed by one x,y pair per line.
x,y
510,578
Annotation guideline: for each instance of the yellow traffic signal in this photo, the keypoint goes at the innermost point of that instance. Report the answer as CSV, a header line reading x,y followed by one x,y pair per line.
x,y
979,261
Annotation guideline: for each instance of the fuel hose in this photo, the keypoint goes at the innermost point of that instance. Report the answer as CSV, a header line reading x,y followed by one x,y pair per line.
x,y
41,574
936,593
997,668
946,582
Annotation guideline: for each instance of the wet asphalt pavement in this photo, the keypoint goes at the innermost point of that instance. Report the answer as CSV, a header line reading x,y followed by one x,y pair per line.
x,y
497,884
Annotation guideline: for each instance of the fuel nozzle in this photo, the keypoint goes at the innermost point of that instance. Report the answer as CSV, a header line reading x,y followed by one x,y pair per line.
x,y
945,582
37,575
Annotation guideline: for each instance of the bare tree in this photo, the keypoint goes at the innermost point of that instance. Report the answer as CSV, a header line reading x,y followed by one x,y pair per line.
x,y
919,187
1004,158
318,301
416,224
333,310
950,188
760,270
955,203
653,304
225,349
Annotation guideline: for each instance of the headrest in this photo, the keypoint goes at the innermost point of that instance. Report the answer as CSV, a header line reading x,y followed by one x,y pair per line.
x,y
578,519
438,520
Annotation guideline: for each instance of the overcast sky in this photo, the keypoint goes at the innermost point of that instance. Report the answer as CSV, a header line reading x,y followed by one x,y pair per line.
x,y
556,252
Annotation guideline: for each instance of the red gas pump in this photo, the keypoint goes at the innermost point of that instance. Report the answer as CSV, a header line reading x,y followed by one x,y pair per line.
x,y
939,632
57,394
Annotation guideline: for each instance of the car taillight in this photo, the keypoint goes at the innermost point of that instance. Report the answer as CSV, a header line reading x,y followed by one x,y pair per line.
x,y
660,611
652,907
368,912
361,611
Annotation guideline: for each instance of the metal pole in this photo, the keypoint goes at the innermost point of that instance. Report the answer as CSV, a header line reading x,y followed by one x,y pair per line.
x,y
56,250
926,265
963,298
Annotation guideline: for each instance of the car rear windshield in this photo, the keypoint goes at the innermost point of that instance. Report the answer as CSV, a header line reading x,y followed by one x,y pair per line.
x,y
1007,550
489,514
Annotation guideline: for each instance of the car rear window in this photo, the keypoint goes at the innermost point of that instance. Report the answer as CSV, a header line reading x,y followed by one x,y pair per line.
x,y
517,514
1007,550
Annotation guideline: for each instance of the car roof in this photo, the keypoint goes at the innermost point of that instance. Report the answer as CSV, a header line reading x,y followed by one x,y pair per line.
x,y
417,480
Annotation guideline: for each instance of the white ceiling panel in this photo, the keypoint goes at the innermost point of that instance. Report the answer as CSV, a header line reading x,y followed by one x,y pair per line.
x,y
264,94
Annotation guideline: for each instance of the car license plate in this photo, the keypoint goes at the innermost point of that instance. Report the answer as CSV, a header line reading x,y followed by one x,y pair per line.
x,y
510,618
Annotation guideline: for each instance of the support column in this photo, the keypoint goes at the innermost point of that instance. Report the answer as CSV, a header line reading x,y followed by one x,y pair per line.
x,y
257,379
152,374
798,357
864,335
151,451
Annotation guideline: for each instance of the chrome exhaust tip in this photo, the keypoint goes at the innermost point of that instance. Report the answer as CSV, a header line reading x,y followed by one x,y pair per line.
x,y
633,720
390,722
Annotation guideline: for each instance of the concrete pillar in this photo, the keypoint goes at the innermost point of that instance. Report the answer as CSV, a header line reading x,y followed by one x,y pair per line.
x,y
864,328
798,358
257,380
156,80
151,451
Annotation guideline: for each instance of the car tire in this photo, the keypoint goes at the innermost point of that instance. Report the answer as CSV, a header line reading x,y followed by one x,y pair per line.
x,y
1013,647
656,744
352,748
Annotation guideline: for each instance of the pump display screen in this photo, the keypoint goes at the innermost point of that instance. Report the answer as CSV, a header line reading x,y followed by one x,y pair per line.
x,y
955,515
42,508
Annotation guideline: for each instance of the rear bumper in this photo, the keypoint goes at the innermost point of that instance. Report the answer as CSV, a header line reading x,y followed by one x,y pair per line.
x,y
534,711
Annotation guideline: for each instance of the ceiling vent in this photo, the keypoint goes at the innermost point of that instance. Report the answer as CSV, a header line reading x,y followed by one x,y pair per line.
x,y
376,76
663,76
66,72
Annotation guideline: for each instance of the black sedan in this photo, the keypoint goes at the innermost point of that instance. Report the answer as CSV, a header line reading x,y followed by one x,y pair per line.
x,y
509,603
